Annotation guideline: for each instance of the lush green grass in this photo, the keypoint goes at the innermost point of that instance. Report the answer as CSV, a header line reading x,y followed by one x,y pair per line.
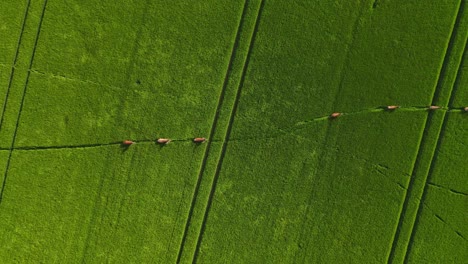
x,y
180,72
282,182
97,204
335,194
148,70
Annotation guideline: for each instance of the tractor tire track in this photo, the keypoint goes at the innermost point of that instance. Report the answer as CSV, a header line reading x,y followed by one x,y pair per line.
x,y
13,66
433,160
212,132
11,149
228,131
426,132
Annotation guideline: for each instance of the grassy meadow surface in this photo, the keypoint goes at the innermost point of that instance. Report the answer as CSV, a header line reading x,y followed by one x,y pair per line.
x,y
278,181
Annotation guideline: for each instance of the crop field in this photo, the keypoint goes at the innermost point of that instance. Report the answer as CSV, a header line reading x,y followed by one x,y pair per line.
x,y
278,179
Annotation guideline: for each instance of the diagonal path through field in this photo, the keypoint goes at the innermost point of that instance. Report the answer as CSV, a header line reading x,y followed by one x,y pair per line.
x,y
13,66
430,140
18,117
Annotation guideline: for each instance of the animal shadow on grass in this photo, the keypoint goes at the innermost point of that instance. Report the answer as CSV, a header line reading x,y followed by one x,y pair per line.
x,y
124,147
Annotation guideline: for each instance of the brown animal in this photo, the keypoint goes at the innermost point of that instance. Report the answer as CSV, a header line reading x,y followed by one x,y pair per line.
x,y
434,107
465,109
335,115
199,140
163,141
127,142
392,107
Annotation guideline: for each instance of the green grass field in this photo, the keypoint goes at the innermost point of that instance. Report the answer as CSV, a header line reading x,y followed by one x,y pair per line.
x,y
277,181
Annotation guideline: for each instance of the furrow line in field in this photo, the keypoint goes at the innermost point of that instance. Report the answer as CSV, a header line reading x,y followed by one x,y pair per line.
x,y
433,160
447,189
15,59
228,131
212,132
432,133
458,233
11,149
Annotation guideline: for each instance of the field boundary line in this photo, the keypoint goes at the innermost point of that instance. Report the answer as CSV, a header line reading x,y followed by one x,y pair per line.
x,y
15,60
212,132
433,161
5,176
425,133
228,131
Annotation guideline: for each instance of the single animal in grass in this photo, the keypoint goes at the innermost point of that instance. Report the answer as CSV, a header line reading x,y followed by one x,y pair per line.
x,y
465,109
163,141
434,107
127,142
199,139
393,107
335,115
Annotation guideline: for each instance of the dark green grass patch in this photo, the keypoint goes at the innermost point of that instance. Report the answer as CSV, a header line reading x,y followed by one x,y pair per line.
x,y
97,204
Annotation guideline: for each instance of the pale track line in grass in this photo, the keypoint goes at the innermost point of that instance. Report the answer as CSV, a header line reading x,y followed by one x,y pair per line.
x,y
285,131
78,80
212,132
11,148
13,66
228,130
67,78
419,155
303,124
